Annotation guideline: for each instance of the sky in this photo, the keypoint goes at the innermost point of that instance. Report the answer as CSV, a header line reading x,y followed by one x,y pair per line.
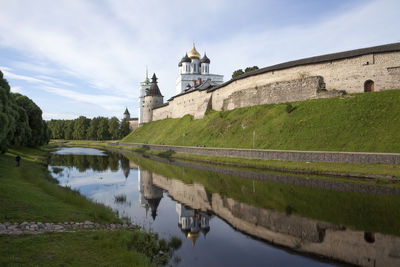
x,y
76,57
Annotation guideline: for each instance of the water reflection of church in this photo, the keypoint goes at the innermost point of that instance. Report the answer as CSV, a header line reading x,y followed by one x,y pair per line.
x,y
192,222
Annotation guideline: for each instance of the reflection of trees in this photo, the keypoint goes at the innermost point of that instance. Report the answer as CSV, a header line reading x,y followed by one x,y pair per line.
x,y
96,163
113,160
125,166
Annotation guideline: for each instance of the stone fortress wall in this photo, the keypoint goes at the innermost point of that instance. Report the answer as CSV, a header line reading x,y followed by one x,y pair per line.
x,y
356,71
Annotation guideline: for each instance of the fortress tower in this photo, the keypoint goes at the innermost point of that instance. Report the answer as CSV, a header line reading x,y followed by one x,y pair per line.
x,y
144,86
127,115
193,71
152,99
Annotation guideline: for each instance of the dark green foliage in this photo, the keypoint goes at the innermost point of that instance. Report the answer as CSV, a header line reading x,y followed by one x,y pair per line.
x,y
120,198
69,129
35,119
21,120
92,131
251,68
102,130
57,129
113,128
175,243
81,126
158,250
289,108
124,128
239,72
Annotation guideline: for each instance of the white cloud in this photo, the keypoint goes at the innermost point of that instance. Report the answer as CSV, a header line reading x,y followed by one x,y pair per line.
x,y
10,75
107,102
59,116
16,89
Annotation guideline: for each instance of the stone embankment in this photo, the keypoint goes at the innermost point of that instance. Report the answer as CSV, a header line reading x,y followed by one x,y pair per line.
x,y
285,155
39,227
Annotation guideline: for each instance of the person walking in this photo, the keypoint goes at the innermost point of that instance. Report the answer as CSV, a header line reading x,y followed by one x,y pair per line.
x,y
18,159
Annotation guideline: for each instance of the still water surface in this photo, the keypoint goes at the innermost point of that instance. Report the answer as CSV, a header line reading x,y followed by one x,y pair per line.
x,y
225,220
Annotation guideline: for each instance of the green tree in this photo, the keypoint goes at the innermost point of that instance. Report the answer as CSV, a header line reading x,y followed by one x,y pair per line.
x,y
102,130
7,114
92,130
80,128
251,69
124,128
57,128
69,129
23,132
113,128
39,130
237,73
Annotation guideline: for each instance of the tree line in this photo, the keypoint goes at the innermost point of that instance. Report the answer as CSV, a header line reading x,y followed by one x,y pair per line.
x,y
21,120
82,128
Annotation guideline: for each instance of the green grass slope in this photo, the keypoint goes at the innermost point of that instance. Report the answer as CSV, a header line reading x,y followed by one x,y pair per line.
x,y
367,122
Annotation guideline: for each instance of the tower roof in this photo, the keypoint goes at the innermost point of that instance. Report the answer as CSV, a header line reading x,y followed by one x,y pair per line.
x,y
193,54
146,80
205,59
153,90
126,112
185,59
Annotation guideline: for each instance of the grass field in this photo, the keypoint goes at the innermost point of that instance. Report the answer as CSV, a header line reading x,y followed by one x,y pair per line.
x,y
357,122
119,248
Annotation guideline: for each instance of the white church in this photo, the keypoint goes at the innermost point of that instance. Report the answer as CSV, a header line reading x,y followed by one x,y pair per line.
x,y
193,71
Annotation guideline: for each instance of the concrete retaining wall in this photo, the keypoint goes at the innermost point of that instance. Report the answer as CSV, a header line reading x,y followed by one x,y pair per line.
x,y
286,155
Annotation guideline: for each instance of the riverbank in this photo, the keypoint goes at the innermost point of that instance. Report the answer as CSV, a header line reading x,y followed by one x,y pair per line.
x,y
381,173
28,193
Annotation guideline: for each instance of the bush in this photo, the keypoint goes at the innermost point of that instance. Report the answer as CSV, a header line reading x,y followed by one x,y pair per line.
x,y
289,108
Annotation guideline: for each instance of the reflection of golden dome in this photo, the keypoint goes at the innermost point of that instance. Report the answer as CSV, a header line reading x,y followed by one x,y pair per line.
x,y
193,237
193,54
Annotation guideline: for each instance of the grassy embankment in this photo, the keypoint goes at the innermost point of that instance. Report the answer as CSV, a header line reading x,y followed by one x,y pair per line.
x,y
365,212
29,193
358,122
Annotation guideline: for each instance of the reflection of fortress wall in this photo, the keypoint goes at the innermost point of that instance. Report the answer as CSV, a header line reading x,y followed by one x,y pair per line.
x,y
306,235
132,165
193,195
301,234
150,191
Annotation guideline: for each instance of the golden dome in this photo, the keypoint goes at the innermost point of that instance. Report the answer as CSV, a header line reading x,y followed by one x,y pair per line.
x,y
193,237
193,54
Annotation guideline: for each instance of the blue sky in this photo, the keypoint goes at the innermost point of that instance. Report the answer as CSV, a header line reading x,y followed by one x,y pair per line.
x,y
88,57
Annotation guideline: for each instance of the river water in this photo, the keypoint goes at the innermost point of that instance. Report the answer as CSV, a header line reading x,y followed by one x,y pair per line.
x,y
236,217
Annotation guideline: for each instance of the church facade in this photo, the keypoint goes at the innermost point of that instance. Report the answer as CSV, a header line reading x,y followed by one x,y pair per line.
x,y
362,70
194,71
